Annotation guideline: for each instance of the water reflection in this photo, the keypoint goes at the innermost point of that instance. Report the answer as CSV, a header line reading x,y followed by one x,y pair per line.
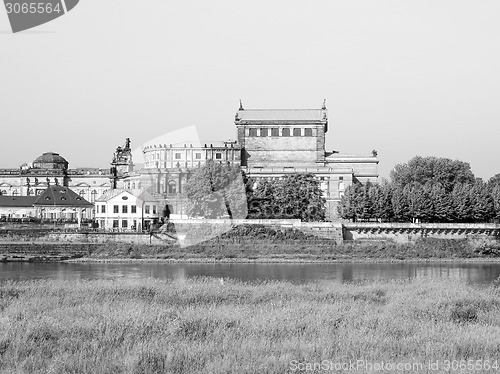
x,y
478,273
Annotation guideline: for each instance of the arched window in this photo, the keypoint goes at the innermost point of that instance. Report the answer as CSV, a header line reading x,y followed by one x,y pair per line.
x,y
14,193
252,132
3,192
93,195
263,131
285,132
172,188
308,132
275,131
82,193
297,132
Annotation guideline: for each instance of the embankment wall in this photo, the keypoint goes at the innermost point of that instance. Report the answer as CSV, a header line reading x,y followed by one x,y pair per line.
x,y
409,232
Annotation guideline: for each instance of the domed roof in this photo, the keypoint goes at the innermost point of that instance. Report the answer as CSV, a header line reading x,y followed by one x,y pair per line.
x,y
50,160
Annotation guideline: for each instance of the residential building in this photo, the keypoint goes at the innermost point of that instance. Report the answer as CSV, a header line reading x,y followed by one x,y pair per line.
x,y
127,210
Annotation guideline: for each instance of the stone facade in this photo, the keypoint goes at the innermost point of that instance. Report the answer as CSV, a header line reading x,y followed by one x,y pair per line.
x,y
279,142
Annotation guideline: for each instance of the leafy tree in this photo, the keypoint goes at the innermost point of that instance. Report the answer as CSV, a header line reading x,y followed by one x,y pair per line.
x,y
495,195
347,208
400,205
494,180
421,207
461,202
384,209
295,196
483,206
217,190
434,170
443,204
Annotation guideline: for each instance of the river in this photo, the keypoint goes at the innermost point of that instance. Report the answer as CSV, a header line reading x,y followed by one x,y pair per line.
x,y
471,272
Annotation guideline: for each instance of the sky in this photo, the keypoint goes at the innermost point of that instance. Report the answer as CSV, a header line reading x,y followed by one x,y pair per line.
x,y
401,77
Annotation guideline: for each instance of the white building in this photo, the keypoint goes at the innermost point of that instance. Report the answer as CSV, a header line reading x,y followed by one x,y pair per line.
x,y
127,210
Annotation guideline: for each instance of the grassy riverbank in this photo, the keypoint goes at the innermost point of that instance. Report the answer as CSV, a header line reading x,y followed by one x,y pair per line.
x,y
205,326
322,250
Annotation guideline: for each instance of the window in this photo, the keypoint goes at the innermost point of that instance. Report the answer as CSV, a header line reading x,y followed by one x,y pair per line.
x,y
285,132
171,187
177,156
97,208
115,223
297,132
341,178
308,132
275,132
218,156
124,223
197,156
82,193
103,208
14,193
252,132
93,195
101,223
146,209
133,209
115,209
4,192
263,132
154,209
124,209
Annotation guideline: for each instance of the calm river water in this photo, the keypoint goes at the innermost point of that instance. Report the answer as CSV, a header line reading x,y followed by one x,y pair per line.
x,y
477,273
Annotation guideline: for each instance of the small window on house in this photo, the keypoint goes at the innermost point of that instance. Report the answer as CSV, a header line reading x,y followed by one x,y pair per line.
x,y
154,209
308,132
285,132
14,193
146,209
115,209
133,209
341,178
124,209
103,208
275,132
296,132
263,132
115,223
97,208
124,223
197,156
82,192
177,156
218,156
252,132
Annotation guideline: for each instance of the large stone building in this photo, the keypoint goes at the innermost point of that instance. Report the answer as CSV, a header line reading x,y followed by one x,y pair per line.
x,y
271,143
277,142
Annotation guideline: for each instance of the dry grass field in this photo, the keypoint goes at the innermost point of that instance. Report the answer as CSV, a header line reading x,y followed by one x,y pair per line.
x,y
214,326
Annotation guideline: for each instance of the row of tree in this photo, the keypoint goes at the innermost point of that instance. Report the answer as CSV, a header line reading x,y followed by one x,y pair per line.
x,y
426,190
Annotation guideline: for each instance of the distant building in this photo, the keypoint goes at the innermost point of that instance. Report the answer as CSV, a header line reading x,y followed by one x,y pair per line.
x,y
54,203
124,210
51,169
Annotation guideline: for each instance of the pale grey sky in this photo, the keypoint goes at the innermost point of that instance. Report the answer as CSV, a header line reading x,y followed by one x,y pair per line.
x,y
402,77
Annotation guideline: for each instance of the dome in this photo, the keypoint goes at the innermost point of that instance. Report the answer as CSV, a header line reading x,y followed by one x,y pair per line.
x,y
50,160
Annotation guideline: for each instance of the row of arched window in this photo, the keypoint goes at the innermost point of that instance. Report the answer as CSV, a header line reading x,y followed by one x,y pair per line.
x,y
276,131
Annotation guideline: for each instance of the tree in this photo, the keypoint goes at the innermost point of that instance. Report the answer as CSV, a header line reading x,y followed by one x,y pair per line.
x,y
400,204
483,207
434,170
461,202
442,202
216,190
295,196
